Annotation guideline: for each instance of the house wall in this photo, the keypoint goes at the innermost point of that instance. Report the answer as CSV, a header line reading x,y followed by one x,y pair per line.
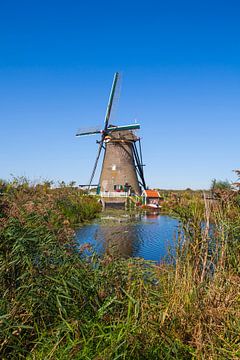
x,y
152,200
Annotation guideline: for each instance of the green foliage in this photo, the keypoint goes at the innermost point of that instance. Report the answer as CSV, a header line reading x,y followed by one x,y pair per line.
x,y
55,304
36,295
220,185
78,208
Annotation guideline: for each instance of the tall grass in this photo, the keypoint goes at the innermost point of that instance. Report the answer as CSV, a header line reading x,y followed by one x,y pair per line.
x,y
56,305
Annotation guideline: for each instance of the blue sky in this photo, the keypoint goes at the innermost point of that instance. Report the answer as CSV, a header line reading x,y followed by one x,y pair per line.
x,y
180,65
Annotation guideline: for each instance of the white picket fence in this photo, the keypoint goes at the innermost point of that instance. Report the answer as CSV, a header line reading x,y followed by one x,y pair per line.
x,y
113,194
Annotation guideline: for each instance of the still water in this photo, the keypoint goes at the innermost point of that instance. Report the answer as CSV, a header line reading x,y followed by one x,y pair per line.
x,y
147,236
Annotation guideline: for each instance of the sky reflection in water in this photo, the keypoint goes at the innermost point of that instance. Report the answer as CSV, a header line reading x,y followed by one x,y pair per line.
x,y
147,236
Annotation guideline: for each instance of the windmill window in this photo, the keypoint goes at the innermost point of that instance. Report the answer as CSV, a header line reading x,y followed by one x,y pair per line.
x,y
118,188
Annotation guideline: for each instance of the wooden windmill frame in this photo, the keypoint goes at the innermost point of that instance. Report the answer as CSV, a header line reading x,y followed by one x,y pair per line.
x,y
121,146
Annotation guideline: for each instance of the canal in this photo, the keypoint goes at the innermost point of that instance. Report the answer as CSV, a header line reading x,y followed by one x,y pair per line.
x,y
140,235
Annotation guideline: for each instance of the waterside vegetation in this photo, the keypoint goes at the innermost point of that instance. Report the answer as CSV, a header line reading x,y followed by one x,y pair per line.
x,y
56,304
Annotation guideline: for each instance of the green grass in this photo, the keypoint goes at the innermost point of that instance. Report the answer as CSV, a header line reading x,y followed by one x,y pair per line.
x,y
56,305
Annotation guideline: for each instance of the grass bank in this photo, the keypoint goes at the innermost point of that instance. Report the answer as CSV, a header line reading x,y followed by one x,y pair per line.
x,y
56,305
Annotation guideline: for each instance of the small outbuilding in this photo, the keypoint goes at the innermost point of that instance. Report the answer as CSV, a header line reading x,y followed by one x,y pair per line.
x,y
151,198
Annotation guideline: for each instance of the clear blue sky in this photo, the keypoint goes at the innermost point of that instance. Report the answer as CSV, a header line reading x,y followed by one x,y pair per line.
x,y
180,62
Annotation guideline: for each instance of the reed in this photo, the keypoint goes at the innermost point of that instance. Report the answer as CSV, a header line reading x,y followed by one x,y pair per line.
x,y
56,304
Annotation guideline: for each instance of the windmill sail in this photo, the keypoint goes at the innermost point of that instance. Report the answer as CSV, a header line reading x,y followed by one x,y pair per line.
x,y
95,164
110,102
88,131
123,127
122,166
107,117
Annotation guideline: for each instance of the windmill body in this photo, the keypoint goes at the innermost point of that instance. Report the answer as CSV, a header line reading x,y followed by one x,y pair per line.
x,y
122,168
118,169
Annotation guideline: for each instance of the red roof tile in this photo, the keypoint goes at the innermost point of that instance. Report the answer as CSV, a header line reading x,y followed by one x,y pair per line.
x,y
151,193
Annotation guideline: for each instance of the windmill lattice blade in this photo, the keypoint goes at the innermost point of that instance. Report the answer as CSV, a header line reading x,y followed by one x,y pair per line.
x,y
110,102
96,162
123,127
89,131
113,118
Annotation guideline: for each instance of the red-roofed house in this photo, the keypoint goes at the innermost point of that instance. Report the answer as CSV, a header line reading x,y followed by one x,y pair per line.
x,y
151,198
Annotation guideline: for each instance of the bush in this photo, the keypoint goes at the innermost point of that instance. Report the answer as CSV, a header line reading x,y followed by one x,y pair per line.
x,y
56,304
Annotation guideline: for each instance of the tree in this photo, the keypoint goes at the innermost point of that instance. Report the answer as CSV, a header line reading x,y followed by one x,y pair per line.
x,y
220,185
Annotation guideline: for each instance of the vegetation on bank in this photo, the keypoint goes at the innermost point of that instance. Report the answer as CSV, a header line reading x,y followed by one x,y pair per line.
x,y
55,304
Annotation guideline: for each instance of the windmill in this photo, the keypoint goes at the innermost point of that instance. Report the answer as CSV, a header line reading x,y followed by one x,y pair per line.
x,y
122,167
